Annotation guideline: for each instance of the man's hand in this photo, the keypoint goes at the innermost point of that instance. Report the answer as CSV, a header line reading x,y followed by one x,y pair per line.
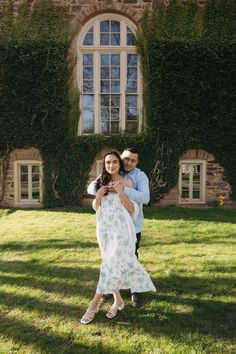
x,y
118,187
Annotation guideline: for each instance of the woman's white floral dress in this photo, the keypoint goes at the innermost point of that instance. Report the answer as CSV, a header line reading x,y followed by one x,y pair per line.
x,y
120,268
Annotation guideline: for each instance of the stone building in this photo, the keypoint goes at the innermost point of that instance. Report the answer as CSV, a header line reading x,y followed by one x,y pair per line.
x,y
111,100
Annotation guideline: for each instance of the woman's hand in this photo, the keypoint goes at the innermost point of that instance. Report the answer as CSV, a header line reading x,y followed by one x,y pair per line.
x,y
101,191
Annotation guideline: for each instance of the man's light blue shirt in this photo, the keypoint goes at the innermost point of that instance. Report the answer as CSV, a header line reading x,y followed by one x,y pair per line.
x,y
139,193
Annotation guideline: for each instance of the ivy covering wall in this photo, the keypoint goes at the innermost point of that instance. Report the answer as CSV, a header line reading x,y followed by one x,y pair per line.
x,y
188,63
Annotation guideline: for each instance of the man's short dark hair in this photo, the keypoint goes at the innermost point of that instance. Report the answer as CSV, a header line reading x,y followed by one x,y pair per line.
x,y
131,149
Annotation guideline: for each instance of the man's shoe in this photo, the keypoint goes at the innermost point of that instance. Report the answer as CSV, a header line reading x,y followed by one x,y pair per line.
x,y
106,297
136,299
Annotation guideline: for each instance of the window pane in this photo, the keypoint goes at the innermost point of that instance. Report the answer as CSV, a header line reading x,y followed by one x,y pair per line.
x,y
35,169
131,86
105,100
35,184
104,127
88,86
132,113
24,185
115,114
115,73
104,114
115,86
88,72
132,101
88,59
88,120
115,100
104,39
130,39
132,59
114,127
196,180
132,73
115,39
105,73
185,180
104,26
105,59
131,126
88,40
105,86
115,26
87,101
115,59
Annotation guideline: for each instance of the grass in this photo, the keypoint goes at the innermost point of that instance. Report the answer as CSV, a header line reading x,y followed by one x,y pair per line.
x,y
49,268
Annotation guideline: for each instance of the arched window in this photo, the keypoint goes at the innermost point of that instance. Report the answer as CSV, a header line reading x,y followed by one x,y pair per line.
x,y
108,76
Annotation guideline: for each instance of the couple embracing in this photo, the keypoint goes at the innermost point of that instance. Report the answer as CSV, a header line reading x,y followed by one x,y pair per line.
x,y
120,192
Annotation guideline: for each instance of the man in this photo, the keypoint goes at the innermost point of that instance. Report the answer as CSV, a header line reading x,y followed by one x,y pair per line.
x,y
140,194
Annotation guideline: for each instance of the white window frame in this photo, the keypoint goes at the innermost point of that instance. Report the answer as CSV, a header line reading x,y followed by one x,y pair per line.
x,y
27,202
96,49
202,185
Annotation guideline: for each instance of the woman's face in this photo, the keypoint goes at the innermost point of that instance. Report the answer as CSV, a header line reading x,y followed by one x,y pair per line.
x,y
112,164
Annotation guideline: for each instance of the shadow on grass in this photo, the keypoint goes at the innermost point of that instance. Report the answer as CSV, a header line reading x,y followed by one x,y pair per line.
x,y
45,244
192,214
48,341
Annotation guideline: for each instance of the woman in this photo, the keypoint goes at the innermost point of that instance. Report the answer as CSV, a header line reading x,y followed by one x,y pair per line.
x,y
116,235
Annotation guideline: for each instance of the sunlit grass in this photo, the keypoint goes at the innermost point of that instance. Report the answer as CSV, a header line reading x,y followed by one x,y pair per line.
x,y
49,268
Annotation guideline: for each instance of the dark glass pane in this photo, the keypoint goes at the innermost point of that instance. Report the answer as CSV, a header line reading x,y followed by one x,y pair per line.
x,y
115,114
115,73
115,26
88,59
132,59
105,59
23,169
35,169
87,101
115,86
88,121
115,127
87,86
105,73
115,59
115,39
132,126
88,40
24,184
104,114
115,100
105,86
105,100
196,194
131,86
185,193
132,73
132,101
104,39
132,113
35,194
88,72
90,30
104,127
130,39
104,26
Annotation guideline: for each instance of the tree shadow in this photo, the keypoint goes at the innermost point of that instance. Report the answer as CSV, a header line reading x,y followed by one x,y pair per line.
x,y
46,244
192,214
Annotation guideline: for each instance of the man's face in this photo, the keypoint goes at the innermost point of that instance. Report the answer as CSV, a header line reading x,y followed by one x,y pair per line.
x,y
130,160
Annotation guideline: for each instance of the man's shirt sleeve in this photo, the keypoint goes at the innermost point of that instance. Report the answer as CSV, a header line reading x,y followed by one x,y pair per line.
x,y
142,193
92,188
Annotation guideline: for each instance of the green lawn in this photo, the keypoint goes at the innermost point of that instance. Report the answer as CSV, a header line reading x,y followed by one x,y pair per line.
x,y
49,268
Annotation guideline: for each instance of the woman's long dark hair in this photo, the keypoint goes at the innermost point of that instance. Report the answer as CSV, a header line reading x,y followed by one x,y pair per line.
x,y
105,177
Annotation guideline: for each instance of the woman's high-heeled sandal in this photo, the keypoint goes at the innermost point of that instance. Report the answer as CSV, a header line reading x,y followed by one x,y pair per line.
x,y
114,309
89,315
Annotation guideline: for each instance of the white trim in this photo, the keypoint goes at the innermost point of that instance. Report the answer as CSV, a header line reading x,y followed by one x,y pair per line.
x,y
191,200
96,49
27,202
